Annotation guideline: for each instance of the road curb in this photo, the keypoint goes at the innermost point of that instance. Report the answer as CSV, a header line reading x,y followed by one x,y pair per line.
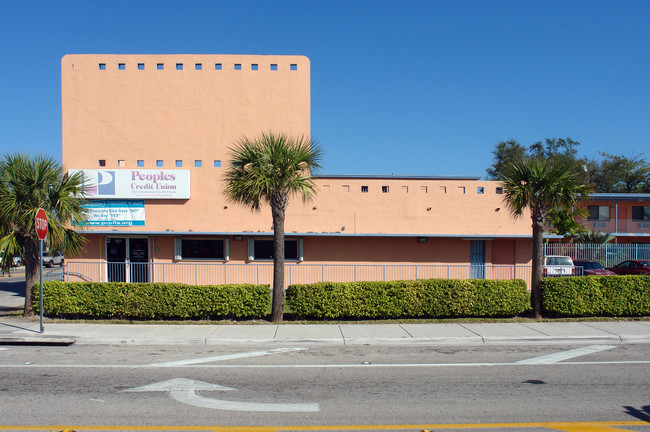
x,y
37,340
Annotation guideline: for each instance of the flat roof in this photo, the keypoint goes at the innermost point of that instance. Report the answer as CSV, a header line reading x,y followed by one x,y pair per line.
x,y
393,176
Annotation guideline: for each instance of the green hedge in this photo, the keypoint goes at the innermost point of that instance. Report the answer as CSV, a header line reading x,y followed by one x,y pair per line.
x,y
152,300
430,298
597,296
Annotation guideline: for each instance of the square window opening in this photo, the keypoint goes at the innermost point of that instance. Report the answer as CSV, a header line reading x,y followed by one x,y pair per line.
x,y
102,66
160,66
237,66
499,191
364,189
293,66
121,163
179,66
217,163
140,163
254,66
179,163
384,189
159,163
121,66
198,66
140,66
102,162
198,163
480,190
274,66
218,66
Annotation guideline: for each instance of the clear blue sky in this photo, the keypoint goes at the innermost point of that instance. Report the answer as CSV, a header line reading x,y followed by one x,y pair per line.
x,y
403,87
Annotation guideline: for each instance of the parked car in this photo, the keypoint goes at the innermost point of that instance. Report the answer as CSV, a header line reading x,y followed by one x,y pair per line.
x,y
15,262
631,267
558,265
50,259
593,268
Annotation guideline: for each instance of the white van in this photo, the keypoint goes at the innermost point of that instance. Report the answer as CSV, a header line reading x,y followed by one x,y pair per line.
x,y
558,265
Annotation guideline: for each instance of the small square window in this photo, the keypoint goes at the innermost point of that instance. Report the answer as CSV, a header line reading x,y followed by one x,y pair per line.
x,y
461,189
198,66
179,66
179,163
217,163
102,66
499,190
364,189
140,66
293,67
480,190
160,66
102,162
254,66
121,163
140,163
121,66
443,189
405,189
159,163
424,189
198,163
274,66
237,66
218,66
384,189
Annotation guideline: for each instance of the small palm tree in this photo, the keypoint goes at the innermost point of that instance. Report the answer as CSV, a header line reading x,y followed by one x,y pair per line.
x,y
27,183
594,237
539,185
270,169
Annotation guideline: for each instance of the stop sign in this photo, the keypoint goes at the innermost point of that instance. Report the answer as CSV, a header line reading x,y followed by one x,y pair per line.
x,y
41,224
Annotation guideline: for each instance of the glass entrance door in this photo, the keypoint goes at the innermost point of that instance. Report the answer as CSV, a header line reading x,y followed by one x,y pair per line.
x,y
116,259
133,269
139,259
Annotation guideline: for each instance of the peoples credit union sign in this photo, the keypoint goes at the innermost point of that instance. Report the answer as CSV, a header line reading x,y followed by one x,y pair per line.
x,y
136,184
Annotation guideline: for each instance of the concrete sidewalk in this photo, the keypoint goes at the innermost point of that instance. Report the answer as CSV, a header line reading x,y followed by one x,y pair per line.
x,y
20,331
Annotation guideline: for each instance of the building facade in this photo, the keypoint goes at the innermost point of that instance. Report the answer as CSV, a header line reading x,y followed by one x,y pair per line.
x,y
152,134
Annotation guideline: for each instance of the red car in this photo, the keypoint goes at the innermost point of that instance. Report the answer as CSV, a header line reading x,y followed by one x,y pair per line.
x,y
593,268
631,267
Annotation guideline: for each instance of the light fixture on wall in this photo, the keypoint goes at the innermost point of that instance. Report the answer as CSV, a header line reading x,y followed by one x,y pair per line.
x,y
314,207
428,208
225,207
238,238
343,228
422,239
497,209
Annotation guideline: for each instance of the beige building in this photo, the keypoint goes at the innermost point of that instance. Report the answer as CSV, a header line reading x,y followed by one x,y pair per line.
x,y
152,134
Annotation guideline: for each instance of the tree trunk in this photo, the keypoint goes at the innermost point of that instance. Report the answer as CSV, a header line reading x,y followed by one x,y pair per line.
x,y
278,207
538,263
31,252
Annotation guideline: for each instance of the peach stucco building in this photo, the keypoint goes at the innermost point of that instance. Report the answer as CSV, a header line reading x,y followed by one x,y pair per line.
x,y
152,133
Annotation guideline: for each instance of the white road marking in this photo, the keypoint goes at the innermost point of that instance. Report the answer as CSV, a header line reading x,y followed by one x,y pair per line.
x,y
565,355
184,390
225,357
325,366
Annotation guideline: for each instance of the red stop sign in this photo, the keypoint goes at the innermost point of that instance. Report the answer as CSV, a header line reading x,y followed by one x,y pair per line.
x,y
41,224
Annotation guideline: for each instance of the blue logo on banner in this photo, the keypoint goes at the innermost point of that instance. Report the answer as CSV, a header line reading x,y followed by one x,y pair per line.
x,y
106,182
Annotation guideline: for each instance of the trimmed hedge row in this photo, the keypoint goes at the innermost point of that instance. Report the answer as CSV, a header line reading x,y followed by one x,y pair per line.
x,y
597,296
429,298
152,300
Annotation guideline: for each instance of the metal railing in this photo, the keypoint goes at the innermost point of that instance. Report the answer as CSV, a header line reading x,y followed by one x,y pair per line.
x,y
606,254
254,273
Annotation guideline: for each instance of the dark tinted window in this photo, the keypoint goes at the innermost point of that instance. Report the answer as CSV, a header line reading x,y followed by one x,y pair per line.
x,y
202,249
264,249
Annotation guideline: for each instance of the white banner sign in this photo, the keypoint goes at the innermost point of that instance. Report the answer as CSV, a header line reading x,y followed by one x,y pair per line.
x,y
134,184
114,213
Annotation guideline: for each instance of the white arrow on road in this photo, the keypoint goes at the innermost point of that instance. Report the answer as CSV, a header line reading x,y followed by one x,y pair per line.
x,y
184,390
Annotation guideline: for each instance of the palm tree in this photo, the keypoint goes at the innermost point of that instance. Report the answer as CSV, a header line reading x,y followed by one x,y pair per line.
x,y
538,185
270,169
27,183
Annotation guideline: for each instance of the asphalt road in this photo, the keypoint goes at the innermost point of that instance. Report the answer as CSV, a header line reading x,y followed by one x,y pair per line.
x,y
365,386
